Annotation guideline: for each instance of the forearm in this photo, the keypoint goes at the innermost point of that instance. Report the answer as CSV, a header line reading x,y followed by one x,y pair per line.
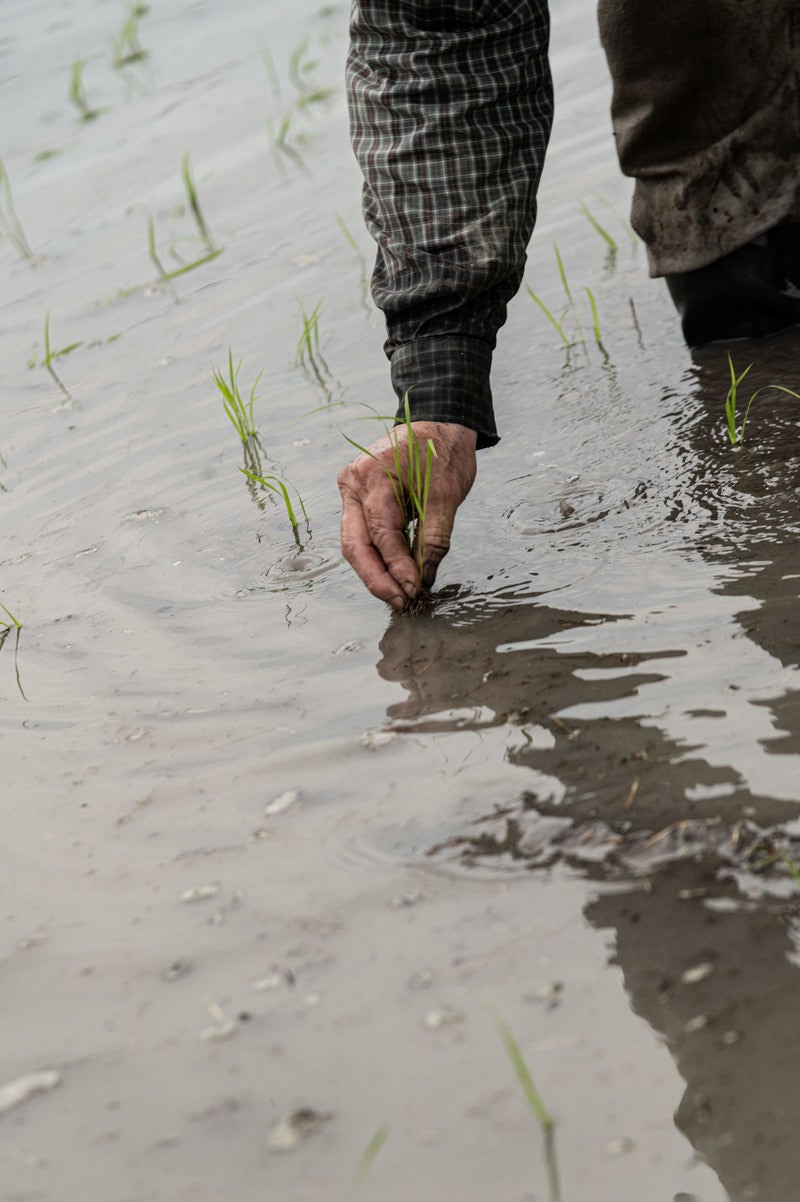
x,y
450,115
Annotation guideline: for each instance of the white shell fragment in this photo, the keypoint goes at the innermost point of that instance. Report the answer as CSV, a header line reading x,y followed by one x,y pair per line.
x,y
222,1030
273,981
222,1027
697,973
288,1133
442,1016
289,798
199,893
19,1091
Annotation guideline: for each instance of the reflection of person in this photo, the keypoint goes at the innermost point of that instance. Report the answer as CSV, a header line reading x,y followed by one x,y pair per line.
x,y
451,107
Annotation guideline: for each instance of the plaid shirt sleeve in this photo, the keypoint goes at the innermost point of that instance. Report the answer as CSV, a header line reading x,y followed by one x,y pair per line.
x,y
450,111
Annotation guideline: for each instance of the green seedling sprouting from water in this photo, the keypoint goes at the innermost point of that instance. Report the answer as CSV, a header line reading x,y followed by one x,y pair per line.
x,y
367,1159
735,429
239,411
50,355
410,478
600,229
212,250
308,354
77,92
240,415
578,339
7,624
9,222
127,47
194,205
534,1100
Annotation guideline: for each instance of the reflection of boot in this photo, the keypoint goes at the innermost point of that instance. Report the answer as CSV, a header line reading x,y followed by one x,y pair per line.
x,y
751,292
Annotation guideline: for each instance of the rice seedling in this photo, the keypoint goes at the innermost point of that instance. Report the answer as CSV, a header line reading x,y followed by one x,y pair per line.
x,y
77,92
127,47
570,339
367,1159
6,626
301,70
211,249
239,411
275,484
735,429
308,354
194,205
50,355
600,229
9,222
534,1100
595,319
410,479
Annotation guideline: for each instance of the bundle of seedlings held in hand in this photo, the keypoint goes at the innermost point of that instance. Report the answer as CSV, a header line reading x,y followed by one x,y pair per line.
x,y
411,484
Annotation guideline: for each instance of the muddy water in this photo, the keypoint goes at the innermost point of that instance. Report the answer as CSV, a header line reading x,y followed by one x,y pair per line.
x,y
268,850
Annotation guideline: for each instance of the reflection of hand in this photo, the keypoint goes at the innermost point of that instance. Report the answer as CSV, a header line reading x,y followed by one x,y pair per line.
x,y
373,535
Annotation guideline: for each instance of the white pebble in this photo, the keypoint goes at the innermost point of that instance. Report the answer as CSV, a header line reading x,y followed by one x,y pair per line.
x,y
199,893
17,1092
283,802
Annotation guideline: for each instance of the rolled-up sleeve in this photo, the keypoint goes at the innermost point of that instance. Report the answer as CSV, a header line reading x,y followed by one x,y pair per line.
x,y
450,111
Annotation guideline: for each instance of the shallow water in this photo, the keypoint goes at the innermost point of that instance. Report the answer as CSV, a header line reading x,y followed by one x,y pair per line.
x,y
558,796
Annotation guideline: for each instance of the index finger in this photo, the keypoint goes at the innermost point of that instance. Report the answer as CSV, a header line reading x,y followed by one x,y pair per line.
x,y
360,552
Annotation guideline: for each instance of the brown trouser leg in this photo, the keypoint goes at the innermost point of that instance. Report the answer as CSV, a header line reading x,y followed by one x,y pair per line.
x,y
706,111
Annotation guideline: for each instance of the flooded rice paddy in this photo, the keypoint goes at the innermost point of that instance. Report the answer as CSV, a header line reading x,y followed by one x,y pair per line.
x,y
274,860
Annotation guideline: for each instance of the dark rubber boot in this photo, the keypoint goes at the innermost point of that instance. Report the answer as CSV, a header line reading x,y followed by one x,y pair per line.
x,y
752,292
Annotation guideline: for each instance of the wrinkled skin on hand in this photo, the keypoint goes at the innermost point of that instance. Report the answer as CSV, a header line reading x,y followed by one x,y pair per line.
x,y
373,536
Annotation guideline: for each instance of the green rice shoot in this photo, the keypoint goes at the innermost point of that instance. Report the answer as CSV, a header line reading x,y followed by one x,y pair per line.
x,y
556,324
12,623
50,355
532,1095
274,484
600,229
368,1157
9,222
595,319
194,205
735,429
127,47
308,354
239,410
534,1100
77,92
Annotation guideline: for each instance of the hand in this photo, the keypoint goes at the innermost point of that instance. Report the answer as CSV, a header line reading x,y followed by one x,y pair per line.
x,y
373,534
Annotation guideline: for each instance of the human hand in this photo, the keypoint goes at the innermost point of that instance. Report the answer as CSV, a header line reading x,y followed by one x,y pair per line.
x,y
373,532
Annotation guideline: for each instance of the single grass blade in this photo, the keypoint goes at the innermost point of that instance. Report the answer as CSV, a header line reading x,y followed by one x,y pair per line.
x,y
368,1157
601,230
553,321
534,1098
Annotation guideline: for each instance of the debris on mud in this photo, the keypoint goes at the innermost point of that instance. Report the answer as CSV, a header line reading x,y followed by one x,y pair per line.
x,y
200,893
442,1016
19,1091
297,1126
287,799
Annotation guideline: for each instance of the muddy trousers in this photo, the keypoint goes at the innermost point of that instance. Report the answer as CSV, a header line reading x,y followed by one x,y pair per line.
x,y
706,112
451,105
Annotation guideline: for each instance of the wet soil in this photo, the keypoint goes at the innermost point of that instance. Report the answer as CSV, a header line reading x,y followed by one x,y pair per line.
x,y
273,858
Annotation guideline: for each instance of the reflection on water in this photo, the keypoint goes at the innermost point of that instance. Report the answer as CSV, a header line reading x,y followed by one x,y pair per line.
x,y
665,740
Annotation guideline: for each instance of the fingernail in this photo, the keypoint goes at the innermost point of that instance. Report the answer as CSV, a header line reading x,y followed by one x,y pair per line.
x,y
428,575
398,602
410,589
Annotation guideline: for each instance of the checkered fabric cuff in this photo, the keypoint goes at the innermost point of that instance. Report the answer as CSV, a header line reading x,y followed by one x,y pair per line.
x,y
447,380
